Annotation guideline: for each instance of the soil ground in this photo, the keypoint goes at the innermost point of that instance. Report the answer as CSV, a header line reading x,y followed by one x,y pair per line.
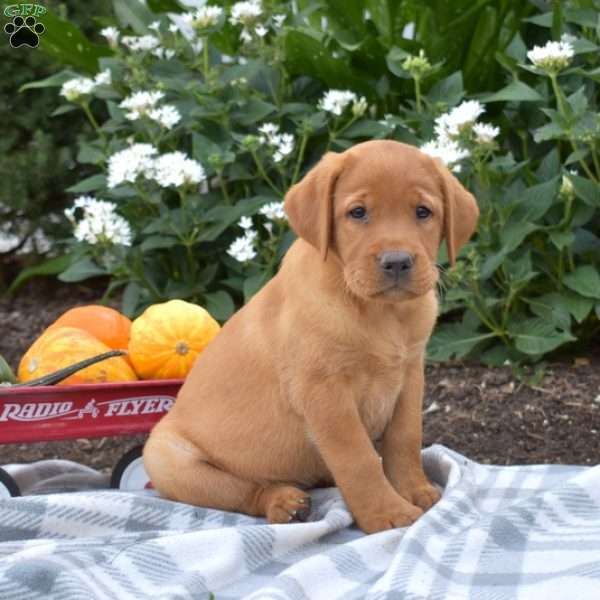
x,y
486,414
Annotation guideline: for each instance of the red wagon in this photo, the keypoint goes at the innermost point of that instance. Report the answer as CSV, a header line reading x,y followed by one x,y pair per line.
x,y
47,413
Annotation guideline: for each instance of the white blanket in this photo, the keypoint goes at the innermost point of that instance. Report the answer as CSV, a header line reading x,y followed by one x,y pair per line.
x,y
498,532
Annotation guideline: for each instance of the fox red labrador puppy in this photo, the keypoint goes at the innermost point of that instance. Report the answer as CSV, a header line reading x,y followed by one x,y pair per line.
x,y
324,366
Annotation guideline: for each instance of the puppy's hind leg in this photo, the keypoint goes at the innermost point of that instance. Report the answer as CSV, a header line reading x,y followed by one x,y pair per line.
x,y
180,471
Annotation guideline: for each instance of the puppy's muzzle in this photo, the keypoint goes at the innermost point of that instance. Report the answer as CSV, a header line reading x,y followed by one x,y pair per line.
x,y
396,265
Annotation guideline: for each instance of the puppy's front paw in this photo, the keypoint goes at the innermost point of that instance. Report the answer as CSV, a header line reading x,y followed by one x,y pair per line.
x,y
395,512
286,503
424,495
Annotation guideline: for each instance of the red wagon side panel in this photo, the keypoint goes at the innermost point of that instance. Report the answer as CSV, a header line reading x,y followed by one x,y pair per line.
x,y
39,414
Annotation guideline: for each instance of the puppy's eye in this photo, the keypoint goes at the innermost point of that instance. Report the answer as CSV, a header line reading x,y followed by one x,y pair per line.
x,y
423,212
359,213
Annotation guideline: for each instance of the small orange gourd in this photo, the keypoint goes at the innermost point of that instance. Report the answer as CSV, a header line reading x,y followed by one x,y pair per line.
x,y
104,323
63,346
168,337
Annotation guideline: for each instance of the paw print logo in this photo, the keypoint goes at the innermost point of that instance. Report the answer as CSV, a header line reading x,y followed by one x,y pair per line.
x,y
24,32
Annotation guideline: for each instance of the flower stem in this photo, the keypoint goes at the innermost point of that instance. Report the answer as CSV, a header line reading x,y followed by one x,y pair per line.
x,y
205,56
223,186
263,173
300,158
90,116
418,94
562,108
560,101
595,159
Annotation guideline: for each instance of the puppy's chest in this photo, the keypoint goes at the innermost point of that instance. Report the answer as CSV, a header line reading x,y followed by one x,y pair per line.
x,y
379,379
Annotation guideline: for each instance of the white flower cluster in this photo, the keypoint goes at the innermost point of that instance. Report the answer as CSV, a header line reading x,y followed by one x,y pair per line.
x,y
282,143
242,248
141,160
162,53
203,19
127,165
142,43
248,14
176,169
100,223
456,128
245,223
79,87
273,211
194,26
336,102
142,104
112,35
459,120
450,153
553,57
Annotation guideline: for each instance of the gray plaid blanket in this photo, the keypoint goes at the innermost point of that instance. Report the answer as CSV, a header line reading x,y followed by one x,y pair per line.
x,y
499,532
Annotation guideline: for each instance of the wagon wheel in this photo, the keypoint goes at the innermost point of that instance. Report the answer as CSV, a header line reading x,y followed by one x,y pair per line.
x,y
8,486
129,473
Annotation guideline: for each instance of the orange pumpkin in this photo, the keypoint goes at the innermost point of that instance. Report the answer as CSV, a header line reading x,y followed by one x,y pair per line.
x,y
105,324
64,346
167,338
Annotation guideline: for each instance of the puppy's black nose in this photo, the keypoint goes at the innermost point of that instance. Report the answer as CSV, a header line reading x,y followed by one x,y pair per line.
x,y
396,264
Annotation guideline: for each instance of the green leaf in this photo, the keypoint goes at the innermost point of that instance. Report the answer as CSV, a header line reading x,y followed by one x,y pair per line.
x,y
82,269
491,263
516,91
89,155
53,266
535,201
130,299
220,305
158,241
253,111
551,308
577,305
366,128
55,80
394,59
543,20
587,190
537,336
551,131
64,41
454,340
513,234
203,147
65,108
91,184
449,91
562,239
133,14
496,356
584,280
576,156
253,284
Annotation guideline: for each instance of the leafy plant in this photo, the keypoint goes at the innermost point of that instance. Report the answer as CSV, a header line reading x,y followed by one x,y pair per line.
x,y
202,120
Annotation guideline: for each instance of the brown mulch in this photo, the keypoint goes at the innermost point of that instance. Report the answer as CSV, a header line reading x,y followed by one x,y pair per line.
x,y
486,414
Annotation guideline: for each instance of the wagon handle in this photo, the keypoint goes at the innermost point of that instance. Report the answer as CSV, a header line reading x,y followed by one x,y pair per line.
x,y
61,374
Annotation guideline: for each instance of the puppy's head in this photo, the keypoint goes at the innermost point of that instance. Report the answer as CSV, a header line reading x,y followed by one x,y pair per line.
x,y
382,209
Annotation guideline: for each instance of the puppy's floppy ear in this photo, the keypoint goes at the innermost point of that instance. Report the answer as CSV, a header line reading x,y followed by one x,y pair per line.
x,y
460,212
309,203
